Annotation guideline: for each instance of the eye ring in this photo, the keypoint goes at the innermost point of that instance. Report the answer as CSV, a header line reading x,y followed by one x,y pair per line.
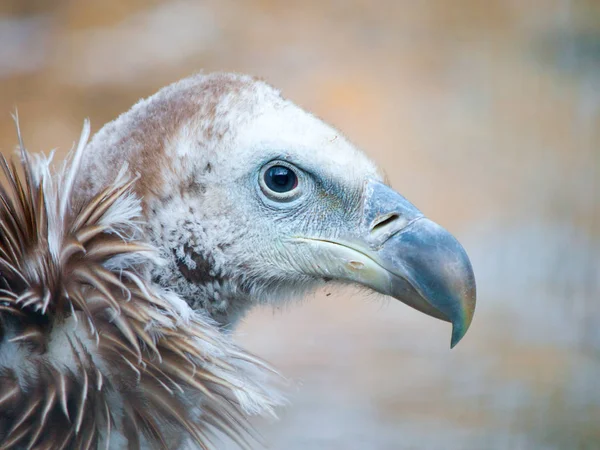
x,y
280,181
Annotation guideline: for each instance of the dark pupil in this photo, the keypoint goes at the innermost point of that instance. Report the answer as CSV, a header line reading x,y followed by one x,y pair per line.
x,y
280,179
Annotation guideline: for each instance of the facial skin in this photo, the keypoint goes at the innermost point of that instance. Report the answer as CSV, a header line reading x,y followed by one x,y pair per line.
x,y
254,200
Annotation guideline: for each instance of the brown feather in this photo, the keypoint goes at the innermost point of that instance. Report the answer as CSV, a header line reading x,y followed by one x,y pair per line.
x,y
126,340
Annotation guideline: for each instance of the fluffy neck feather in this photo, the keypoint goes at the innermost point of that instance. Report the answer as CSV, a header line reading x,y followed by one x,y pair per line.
x,y
92,354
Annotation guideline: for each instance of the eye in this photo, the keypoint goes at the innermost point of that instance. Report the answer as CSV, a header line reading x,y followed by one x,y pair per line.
x,y
280,179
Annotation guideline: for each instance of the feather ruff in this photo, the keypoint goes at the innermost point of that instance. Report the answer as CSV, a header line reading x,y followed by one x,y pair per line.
x,y
93,354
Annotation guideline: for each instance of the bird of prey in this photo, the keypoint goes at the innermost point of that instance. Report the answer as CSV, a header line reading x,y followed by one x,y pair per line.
x,y
123,272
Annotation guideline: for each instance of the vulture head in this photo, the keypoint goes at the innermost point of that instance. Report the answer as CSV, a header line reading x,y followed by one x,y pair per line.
x,y
119,272
253,200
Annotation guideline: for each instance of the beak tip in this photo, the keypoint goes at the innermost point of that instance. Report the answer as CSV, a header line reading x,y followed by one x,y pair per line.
x,y
458,332
461,325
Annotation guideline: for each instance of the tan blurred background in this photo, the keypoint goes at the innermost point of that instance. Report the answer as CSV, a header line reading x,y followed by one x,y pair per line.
x,y
486,114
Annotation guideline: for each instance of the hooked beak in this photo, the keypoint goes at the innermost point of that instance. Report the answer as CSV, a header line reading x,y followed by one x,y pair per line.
x,y
399,252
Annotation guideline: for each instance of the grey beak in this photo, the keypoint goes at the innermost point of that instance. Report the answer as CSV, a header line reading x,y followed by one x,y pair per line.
x,y
429,269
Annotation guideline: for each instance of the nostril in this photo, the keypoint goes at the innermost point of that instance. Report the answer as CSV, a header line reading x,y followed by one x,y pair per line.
x,y
382,221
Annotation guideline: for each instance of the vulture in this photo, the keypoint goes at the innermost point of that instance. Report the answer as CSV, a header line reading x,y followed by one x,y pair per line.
x,y
124,269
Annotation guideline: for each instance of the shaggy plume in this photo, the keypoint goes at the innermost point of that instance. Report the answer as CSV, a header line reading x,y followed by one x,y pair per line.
x,y
92,354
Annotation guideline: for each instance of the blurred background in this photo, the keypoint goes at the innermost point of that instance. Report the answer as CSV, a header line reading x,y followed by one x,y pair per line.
x,y
485,114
